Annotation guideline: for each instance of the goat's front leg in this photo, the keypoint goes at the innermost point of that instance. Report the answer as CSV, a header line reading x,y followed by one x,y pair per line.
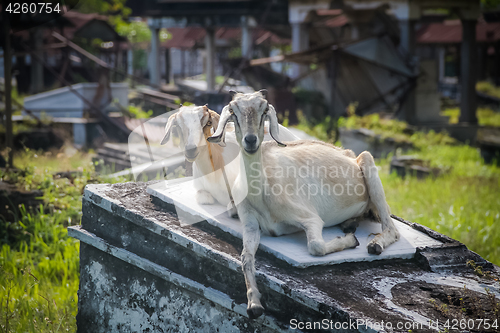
x,y
251,238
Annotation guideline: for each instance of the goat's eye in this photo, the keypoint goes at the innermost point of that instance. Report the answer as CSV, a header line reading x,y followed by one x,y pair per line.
x,y
231,111
267,109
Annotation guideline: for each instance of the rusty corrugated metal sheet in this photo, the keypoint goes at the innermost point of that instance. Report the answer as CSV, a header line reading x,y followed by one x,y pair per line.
x,y
450,32
186,38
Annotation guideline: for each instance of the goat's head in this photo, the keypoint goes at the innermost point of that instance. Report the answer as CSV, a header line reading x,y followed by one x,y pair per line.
x,y
248,111
192,124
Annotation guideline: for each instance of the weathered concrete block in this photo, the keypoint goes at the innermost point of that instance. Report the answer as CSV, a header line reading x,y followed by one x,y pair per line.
x,y
141,271
359,140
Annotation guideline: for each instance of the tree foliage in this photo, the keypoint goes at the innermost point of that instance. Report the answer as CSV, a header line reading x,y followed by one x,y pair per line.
x,y
490,4
135,31
113,8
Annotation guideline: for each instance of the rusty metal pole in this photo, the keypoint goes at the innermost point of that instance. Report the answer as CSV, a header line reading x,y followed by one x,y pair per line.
x,y
7,59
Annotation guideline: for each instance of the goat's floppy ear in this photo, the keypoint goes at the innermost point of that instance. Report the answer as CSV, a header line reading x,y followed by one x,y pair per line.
x,y
273,125
220,133
215,119
172,121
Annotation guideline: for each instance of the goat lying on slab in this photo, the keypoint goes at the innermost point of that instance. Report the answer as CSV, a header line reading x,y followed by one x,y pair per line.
x,y
194,124
277,180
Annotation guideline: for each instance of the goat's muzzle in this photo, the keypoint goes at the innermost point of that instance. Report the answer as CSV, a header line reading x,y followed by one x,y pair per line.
x,y
191,153
250,143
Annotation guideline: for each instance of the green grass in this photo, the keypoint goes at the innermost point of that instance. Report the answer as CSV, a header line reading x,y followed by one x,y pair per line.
x,y
485,116
488,88
39,269
463,203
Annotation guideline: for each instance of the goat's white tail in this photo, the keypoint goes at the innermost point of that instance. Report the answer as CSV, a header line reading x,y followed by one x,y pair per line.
x,y
378,203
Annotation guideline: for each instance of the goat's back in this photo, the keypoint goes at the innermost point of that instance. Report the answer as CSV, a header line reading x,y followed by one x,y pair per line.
x,y
324,178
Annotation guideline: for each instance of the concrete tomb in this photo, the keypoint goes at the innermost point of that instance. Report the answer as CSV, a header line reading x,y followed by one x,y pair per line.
x,y
144,266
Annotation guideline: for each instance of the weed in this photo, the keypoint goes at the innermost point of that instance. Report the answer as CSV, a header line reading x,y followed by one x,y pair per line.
x,y
485,116
463,203
39,268
488,88
442,308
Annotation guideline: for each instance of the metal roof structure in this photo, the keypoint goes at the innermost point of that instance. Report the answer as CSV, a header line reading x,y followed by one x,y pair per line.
x,y
189,37
80,25
450,32
213,12
380,52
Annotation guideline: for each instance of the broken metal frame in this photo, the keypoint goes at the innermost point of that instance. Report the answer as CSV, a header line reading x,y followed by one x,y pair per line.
x,y
96,110
328,54
104,64
44,48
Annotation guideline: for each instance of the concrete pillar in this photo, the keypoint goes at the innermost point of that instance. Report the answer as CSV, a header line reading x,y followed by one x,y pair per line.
x,y
36,65
130,61
441,63
407,36
155,65
246,38
335,110
482,62
183,63
168,67
119,64
300,42
407,44
210,58
468,72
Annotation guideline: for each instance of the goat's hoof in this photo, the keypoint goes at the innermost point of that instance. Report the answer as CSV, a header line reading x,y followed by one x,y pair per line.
x,y
232,211
374,248
255,311
357,242
233,215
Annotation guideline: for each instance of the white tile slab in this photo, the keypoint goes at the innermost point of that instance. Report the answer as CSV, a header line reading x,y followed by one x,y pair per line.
x,y
290,248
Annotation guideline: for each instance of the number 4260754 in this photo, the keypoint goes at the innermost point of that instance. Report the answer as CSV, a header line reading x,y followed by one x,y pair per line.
x,y
33,8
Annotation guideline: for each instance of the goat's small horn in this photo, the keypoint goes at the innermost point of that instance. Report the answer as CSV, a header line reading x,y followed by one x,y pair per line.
x,y
232,93
263,92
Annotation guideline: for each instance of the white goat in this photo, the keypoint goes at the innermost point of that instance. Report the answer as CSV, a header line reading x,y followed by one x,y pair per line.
x,y
279,183
193,125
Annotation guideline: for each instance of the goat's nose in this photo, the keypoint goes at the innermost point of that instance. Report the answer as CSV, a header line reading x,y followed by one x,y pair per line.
x,y
191,150
250,139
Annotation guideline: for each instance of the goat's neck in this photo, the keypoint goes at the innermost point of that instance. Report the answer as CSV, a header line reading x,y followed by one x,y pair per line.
x,y
204,162
253,169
